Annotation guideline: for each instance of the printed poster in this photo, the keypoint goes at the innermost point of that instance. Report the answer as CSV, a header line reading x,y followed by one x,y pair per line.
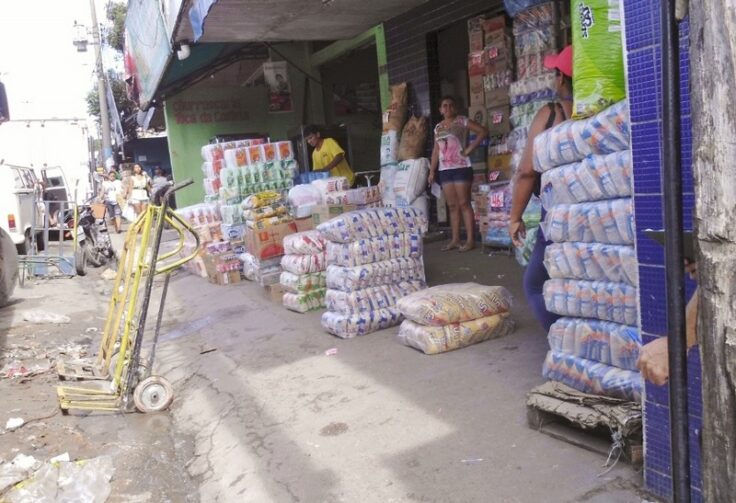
x,y
279,90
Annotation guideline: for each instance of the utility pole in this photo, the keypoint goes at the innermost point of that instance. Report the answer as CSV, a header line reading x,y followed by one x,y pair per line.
x,y
101,90
712,47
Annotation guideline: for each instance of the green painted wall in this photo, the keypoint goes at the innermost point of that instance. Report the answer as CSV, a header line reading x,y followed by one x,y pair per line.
x,y
210,108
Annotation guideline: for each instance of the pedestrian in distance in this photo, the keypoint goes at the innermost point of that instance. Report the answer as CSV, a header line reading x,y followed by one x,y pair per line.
x,y
111,193
528,182
140,189
452,168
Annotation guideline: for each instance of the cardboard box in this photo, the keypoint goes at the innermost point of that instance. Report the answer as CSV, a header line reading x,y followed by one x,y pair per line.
x,y
496,98
493,24
477,97
233,232
275,293
478,113
224,278
499,120
238,247
475,24
268,243
304,224
498,44
476,63
322,213
476,40
499,162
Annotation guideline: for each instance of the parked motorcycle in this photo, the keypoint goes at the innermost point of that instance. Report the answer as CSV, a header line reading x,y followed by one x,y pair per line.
x,y
94,246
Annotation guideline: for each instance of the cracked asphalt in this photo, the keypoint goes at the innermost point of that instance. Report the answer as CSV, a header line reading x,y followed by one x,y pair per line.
x,y
261,414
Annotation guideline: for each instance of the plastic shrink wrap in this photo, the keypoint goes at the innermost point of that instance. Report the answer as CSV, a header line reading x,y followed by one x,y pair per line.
x,y
300,283
593,377
593,262
371,298
368,223
304,301
592,179
331,184
303,264
602,341
455,303
366,251
573,141
351,325
255,270
608,222
592,299
349,279
433,340
410,181
304,243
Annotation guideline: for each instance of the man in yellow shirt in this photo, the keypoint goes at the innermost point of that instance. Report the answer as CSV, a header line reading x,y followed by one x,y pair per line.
x,y
328,155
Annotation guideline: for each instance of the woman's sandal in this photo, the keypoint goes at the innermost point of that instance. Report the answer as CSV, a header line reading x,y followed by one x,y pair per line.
x,y
465,248
450,246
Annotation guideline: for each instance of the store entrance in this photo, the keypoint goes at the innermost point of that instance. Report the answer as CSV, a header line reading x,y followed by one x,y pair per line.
x,y
351,97
450,71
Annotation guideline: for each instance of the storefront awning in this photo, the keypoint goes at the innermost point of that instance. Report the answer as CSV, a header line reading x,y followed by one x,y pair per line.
x,y
284,20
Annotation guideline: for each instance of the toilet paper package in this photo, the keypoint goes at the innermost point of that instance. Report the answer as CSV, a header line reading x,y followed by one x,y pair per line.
x,y
602,341
349,279
432,340
572,141
211,153
455,303
303,264
594,178
236,157
352,325
305,301
609,222
377,249
592,261
231,214
300,283
592,299
304,243
371,298
369,223
593,377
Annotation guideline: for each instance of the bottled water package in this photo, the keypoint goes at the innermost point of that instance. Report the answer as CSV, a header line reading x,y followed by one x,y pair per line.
x,y
433,340
593,377
574,140
609,222
593,262
371,298
348,326
305,301
300,283
455,303
592,299
365,251
349,279
602,341
592,179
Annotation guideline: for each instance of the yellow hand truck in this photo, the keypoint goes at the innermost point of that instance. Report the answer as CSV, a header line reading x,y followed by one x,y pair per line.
x,y
117,374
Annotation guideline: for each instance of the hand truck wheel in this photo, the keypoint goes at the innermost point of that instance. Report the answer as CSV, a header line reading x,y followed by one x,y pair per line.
x,y
153,394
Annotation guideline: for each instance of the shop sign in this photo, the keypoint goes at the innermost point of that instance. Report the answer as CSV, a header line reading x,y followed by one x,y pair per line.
x,y
208,111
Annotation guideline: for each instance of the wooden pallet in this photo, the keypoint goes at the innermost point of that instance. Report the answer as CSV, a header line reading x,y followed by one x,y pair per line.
x,y
586,421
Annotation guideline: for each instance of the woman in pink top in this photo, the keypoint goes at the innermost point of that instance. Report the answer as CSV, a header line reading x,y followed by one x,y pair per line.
x,y
452,168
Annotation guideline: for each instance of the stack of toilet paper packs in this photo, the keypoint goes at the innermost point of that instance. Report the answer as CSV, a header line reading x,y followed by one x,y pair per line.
x,y
303,275
447,317
374,258
586,190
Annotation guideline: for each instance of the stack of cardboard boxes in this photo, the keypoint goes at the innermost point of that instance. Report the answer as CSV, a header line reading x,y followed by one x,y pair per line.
x,y
490,72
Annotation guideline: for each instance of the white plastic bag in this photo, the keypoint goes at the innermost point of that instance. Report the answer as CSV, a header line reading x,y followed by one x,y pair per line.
x,y
433,340
410,180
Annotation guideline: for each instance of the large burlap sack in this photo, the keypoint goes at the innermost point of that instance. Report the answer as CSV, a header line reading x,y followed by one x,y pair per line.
x,y
598,61
454,303
433,340
395,116
413,138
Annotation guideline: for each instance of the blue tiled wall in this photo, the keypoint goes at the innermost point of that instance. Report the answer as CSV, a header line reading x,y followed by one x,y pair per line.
x,y
644,63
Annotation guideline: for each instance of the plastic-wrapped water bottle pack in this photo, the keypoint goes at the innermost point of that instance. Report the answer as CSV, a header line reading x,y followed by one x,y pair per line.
x,y
603,341
593,262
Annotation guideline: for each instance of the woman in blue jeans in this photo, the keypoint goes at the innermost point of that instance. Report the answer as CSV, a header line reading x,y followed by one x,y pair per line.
x,y
527,182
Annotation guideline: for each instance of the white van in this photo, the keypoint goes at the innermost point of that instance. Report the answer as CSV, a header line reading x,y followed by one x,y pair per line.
x,y
17,184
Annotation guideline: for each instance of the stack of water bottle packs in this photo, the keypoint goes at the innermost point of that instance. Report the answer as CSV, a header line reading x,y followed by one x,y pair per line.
x,y
453,316
303,275
586,190
374,258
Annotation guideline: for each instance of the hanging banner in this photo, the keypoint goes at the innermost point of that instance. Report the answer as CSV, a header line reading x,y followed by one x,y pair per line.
x,y
279,90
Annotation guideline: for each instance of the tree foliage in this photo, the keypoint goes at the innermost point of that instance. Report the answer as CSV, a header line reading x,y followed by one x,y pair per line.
x,y
119,92
116,33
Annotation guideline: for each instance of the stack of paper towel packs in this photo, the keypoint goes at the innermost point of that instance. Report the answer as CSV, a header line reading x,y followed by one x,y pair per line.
x,y
374,258
303,275
447,317
586,190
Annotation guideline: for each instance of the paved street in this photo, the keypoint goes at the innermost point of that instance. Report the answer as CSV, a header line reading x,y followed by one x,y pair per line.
x,y
262,414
